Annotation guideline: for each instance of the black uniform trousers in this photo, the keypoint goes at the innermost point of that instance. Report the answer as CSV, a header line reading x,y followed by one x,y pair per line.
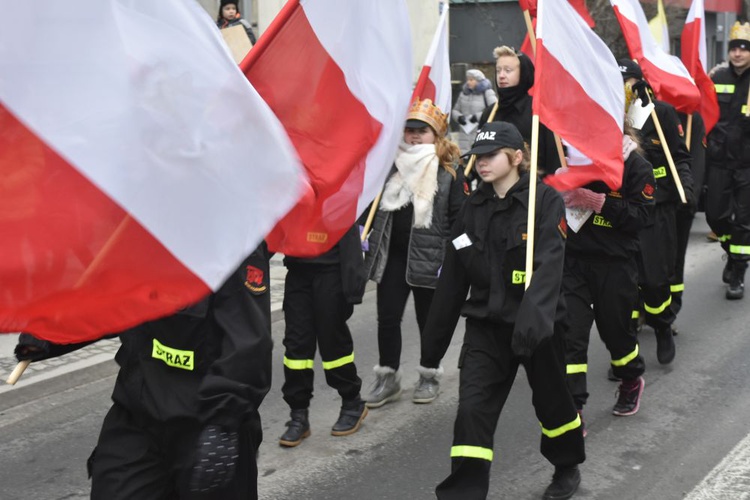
x,y
656,266
392,295
684,219
149,460
728,210
316,311
488,369
604,292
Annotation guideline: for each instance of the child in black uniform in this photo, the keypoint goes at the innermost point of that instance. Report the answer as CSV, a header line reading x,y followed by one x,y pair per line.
x,y
506,325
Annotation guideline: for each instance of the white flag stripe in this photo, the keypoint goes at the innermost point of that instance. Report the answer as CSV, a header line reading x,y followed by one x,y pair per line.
x,y
158,116
633,11
438,59
696,12
565,41
377,70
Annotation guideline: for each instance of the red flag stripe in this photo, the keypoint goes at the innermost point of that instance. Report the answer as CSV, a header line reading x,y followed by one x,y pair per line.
x,y
691,41
113,264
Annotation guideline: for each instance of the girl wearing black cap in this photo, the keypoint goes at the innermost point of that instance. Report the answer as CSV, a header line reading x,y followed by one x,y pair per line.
x,y
420,201
229,15
506,324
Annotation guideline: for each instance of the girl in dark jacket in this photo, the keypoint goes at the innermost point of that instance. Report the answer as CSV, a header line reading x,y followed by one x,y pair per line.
x,y
229,15
420,200
507,324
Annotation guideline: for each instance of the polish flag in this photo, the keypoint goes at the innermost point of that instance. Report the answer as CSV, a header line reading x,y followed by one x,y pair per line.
x,y
434,80
665,73
530,5
134,159
338,76
694,56
578,94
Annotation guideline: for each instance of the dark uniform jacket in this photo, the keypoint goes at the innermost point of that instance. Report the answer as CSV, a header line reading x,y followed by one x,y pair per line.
x,y
670,124
210,362
427,244
729,140
492,264
614,232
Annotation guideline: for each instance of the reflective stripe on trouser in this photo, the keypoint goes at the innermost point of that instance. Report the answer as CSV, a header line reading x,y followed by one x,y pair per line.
x,y
316,311
728,211
604,292
657,264
488,369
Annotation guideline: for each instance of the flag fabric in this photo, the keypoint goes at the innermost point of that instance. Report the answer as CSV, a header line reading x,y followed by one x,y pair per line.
x,y
434,80
134,157
694,56
338,76
578,94
659,27
530,5
665,73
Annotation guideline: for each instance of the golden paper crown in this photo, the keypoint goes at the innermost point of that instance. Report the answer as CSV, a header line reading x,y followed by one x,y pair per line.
x,y
740,31
429,113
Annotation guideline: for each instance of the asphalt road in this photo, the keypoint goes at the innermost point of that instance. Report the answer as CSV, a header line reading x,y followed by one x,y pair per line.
x,y
693,414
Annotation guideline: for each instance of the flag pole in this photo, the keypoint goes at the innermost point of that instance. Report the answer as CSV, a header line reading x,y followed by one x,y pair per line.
x,y
689,130
371,216
473,158
532,200
668,154
22,365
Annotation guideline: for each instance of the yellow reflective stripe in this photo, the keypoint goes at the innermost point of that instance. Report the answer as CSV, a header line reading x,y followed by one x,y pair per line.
x,y
175,358
679,287
330,365
739,249
298,364
724,88
660,172
744,109
472,452
518,277
626,359
725,237
635,315
576,368
657,310
553,433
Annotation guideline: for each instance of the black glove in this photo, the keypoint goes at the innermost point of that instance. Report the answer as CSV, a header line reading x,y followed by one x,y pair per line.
x,y
473,119
461,120
33,349
691,204
640,89
216,459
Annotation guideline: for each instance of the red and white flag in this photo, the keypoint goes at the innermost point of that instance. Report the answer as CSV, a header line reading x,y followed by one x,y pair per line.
x,y
530,5
665,73
578,94
694,56
338,76
134,158
434,80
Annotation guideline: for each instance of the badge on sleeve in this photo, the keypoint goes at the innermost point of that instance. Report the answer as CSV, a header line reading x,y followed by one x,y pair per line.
x,y
255,280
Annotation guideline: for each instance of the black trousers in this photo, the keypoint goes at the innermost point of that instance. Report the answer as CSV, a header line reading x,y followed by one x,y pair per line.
x,y
148,460
656,266
488,369
728,210
684,220
315,312
392,294
605,292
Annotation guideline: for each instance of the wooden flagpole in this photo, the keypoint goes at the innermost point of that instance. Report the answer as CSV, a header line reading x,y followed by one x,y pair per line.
x,y
668,154
473,158
116,234
530,226
371,216
689,132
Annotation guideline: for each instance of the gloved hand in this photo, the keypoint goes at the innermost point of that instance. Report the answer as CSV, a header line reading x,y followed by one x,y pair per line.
x,y
691,204
640,89
473,119
216,459
33,349
461,120
584,198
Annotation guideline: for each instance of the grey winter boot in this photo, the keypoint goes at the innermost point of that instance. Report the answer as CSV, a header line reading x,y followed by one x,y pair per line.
x,y
297,429
428,386
387,387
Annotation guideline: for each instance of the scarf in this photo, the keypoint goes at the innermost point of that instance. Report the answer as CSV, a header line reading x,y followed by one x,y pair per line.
x,y
415,182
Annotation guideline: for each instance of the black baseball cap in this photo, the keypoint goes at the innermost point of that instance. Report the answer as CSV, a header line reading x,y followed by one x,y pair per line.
x,y
629,69
494,136
413,123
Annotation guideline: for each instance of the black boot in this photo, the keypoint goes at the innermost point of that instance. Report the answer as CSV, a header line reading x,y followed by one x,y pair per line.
x,y
297,429
736,289
564,483
726,274
665,348
351,417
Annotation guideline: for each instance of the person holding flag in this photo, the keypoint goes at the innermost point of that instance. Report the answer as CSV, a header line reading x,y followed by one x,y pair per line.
x,y
507,325
420,200
658,240
727,206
